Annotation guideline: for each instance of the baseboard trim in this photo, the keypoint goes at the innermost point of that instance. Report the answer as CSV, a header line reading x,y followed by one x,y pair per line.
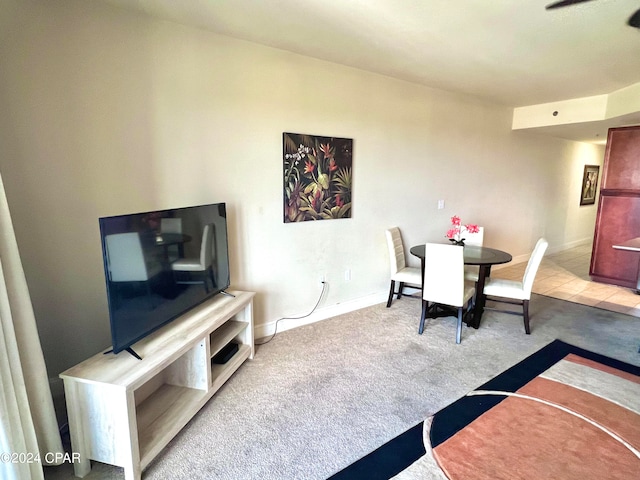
x,y
267,329
550,251
567,246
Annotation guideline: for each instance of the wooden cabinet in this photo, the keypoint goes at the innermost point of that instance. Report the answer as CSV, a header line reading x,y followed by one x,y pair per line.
x,y
124,411
618,218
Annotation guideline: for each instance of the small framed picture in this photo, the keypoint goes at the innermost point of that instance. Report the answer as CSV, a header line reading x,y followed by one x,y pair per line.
x,y
589,184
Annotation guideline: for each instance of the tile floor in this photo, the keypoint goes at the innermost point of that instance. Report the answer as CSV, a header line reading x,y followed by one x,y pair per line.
x,y
565,275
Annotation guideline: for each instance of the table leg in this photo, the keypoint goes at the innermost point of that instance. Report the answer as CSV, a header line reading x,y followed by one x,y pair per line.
x,y
483,272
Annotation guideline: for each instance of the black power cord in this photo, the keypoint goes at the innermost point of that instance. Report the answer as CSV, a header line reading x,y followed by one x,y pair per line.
x,y
324,286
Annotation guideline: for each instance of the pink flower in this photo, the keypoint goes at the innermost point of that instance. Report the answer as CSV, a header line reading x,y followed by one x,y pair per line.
x,y
457,229
452,232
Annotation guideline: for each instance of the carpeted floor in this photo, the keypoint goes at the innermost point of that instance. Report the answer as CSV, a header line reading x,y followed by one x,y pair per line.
x,y
317,398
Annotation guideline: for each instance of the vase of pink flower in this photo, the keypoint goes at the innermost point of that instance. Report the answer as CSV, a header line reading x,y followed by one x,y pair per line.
x,y
454,234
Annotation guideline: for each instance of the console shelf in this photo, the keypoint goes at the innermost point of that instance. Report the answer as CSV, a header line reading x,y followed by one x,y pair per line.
x,y
123,411
221,373
163,415
225,334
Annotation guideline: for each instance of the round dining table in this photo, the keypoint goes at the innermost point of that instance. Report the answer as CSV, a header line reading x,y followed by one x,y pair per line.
x,y
165,240
484,258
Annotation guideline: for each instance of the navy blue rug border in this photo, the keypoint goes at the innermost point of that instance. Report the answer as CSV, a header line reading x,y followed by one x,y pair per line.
x,y
401,451
387,460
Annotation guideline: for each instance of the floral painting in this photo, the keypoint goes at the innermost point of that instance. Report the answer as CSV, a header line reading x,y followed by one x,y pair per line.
x,y
317,177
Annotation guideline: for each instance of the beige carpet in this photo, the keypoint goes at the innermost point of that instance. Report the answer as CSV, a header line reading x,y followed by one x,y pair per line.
x,y
317,398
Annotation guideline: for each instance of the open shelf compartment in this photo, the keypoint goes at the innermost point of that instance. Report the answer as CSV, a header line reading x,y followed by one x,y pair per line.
x,y
223,335
124,411
162,415
220,373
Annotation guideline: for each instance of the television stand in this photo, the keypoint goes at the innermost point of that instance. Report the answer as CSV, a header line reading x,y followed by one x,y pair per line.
x,y
128,349
124,411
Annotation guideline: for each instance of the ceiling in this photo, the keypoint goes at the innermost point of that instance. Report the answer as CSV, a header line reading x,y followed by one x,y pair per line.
x,y
510,52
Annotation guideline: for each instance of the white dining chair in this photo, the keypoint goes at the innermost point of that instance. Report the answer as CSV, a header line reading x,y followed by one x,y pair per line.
x,y
400,271
444,282
127,262
476,238
500,290
201,265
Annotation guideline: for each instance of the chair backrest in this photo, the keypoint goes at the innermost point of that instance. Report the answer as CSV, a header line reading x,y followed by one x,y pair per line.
x,y
206,255
474,238
125,259
397,259
443,274
532,266
171,225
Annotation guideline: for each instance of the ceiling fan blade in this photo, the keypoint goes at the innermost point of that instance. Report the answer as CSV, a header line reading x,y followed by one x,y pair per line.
x,y
564,3
634,21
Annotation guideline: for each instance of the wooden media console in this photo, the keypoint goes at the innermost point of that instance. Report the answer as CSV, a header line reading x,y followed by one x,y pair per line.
x,y
124,411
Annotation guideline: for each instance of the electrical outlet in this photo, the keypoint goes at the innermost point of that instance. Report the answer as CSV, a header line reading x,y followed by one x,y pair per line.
x,y
440,204
321,278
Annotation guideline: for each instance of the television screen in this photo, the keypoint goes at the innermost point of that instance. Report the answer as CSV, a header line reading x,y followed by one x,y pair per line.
x,y
158,265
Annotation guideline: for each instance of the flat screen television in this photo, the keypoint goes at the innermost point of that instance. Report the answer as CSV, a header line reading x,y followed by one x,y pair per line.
x,y
160,264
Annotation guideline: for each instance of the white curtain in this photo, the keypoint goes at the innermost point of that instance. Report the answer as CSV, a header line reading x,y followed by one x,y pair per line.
x,y
29,435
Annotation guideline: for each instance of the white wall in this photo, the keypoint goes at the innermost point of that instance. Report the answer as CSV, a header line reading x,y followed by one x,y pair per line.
x,y
108,112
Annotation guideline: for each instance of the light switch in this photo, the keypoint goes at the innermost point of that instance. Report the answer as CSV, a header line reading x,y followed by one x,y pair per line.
x,y
440,204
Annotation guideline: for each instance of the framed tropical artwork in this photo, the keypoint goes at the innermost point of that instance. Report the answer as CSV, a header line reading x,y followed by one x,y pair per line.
x,y
589,184
317,177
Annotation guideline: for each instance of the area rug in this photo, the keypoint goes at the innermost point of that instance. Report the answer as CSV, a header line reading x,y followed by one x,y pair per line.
x,y
563,412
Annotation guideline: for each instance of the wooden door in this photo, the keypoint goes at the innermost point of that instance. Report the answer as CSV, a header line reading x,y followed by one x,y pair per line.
x,y
618,217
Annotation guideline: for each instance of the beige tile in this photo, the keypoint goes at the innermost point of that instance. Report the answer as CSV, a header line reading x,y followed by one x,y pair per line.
x,y
562,295
549,269
544,285
584,299
565,275
594,294
601,288
576,284
542,274
567,290
628,299
561,259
